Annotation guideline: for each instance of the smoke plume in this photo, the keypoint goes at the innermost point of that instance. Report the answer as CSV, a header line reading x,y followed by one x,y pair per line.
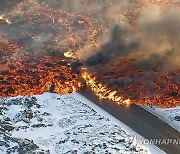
x,y
157,39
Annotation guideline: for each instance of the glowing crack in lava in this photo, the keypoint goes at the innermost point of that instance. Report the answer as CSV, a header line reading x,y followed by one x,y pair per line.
x,y
44,46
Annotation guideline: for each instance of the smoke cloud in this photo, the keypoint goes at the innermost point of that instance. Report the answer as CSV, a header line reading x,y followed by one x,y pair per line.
x,y
140,30
157,40
131,46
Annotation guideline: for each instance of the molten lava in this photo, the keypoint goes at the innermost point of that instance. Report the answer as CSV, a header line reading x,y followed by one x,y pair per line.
x,y
149,87
33,57
40,47
37,75
102,91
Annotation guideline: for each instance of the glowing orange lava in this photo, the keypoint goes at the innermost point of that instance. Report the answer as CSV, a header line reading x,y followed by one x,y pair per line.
x,y
102,91
40,47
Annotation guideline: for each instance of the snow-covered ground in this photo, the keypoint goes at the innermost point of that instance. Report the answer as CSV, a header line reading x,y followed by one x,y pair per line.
x,y
171,115
70,124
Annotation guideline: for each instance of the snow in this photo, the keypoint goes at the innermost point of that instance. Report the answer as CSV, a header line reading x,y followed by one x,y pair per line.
x,y
171,115
51,123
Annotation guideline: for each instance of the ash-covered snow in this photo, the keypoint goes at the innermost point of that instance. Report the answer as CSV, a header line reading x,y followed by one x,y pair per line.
x,y
171,115
55,124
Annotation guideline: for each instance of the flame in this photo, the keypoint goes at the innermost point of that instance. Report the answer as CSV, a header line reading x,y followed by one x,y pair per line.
x,y
69,54
160,90
102,92
5,19
63,37
27,68
37,75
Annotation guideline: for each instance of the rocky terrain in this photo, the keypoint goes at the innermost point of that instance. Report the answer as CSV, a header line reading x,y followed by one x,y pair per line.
x,y
51,123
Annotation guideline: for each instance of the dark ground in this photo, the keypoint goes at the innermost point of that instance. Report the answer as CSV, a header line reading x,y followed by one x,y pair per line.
x,y
141,121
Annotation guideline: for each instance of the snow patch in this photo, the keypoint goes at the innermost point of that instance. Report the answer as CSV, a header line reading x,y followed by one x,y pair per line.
x,y
51,123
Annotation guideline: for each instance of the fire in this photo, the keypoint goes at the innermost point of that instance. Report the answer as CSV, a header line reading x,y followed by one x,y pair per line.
x,y
33,57
69,54
31,77
5,19
102,91
160,90
41,46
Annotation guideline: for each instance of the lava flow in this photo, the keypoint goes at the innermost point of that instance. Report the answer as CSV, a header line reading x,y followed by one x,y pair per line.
x,y
102,91
149,87
36,47
52,45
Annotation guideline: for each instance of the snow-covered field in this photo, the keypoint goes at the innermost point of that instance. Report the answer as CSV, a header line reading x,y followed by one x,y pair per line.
x,y
171,116
70,124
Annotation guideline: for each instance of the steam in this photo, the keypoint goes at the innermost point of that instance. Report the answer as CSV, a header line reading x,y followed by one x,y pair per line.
x,y
141,36
160,34
157,41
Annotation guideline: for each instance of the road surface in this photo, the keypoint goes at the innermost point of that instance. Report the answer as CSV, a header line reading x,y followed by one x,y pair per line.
x,y
140,120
